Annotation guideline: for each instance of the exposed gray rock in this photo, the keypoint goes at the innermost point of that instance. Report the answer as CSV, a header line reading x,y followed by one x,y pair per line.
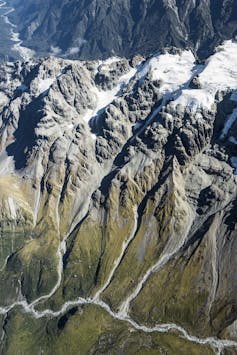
x,y
99,29
115,166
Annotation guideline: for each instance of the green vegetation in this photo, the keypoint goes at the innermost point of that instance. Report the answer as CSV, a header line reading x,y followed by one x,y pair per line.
x,y
180,296
88,330
155,230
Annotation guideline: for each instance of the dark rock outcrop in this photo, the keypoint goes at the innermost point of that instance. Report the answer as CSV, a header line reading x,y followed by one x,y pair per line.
x,y
101,28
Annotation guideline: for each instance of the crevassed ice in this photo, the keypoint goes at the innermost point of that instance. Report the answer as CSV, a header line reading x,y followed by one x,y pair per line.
x,y
220,71
173,70
195,99
218,74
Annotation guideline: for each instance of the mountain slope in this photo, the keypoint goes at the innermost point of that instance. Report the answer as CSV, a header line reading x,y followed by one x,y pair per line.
x,y
101,28
122,192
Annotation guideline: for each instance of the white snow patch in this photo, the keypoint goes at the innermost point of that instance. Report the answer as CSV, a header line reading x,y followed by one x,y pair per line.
x,y
104,98
195,99
219,74
12,207
36,206
7,165
107,62
173,70
112,60
44,84
3,99
70,126
229,123
89,114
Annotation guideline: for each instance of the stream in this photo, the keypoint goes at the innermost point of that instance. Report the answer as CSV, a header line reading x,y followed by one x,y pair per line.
x,y
11,48
123,315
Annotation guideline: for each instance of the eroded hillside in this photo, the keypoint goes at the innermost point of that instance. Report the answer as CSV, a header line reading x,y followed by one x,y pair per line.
x,y
118,205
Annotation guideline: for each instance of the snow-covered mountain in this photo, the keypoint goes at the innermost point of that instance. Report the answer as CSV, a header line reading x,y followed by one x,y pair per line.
x,y
118,198
92,29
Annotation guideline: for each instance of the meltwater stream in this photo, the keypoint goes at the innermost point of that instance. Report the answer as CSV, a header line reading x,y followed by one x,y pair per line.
x,y
13,45
11,48
217,344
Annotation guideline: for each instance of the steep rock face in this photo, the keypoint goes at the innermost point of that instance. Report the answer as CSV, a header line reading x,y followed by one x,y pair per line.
x,y
122,203
101,28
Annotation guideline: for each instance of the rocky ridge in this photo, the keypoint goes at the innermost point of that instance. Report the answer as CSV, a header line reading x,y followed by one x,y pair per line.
x,y
118,201
100,28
